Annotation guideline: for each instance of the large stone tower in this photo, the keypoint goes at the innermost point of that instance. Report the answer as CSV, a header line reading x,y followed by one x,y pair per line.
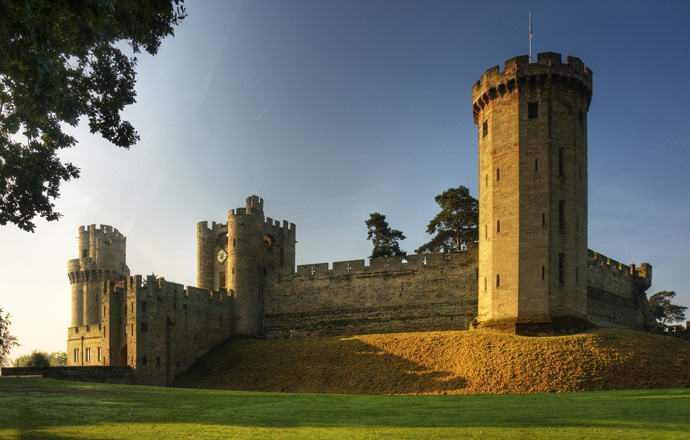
x,y
532,131
102,257
240,255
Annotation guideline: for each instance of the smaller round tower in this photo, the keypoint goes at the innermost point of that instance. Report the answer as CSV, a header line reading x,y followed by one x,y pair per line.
x,y
245,269
102,257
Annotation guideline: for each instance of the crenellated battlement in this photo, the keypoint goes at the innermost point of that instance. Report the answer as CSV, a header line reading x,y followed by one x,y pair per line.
x,y
389,264
102,230
150,285
203,227
642,273
519,72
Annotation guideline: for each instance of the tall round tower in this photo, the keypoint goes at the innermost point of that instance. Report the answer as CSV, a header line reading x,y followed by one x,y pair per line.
x,y
246,268
532,136
102,257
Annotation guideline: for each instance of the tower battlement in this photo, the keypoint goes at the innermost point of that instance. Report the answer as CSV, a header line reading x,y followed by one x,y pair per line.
x,y
518,71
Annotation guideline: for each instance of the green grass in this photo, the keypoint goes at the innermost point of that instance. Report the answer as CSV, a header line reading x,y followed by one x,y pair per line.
x,y
44,408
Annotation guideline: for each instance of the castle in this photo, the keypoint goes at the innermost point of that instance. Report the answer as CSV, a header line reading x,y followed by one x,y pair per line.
x,y
530,273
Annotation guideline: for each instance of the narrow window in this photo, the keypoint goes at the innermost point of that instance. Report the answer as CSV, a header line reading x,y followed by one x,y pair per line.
x,y
577,223
103,311
131,331
98,353
87,354
498,280
561,215
76,355
561,269
158,361
498,226
536,165
234,242
543,219
84,253
144,327
143,360
485,128
533,110
143,307
486,232
484,284
233,270
577,274
486,180
560,162
543,272
221,280
498,174
581,119
131,307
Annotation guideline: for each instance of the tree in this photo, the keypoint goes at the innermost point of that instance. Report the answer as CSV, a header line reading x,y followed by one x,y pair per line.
x,y
58,359
7,341
664,310
456,225
384,238
35,359
61,61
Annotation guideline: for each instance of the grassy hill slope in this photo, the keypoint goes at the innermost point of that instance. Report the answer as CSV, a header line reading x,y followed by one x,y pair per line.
x,y
446,363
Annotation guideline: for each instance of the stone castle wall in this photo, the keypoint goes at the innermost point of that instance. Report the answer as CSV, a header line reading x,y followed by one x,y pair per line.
x,y
616,293
158,328
425,292
169,326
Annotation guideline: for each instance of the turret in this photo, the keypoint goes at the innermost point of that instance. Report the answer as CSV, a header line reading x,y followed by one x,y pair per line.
x,y
257,247
532,137
102,257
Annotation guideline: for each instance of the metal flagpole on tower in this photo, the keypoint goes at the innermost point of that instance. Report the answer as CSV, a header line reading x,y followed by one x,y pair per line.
x,y
529,31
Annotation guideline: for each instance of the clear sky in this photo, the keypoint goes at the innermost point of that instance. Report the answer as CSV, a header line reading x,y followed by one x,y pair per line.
x,y
330,110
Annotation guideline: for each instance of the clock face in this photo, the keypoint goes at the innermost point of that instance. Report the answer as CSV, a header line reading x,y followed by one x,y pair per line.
x,y
221,255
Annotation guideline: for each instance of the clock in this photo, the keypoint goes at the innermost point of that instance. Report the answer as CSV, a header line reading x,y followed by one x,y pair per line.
x,y
221,255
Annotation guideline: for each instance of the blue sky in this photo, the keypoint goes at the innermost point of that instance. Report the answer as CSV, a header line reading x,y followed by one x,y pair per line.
x,y
333,109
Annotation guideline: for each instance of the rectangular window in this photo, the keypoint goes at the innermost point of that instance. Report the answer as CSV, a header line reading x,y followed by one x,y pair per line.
x,y
84,253
561,269
498,280
498,174
221,280
577,273
543,219
543,272
560,162
581,119
536,165
143,307
143,360
533,110
158,361
144,327
485,128
76,355
98,353
87,354
561,215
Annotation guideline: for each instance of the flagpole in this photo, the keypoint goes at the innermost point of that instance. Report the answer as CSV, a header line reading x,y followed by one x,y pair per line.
x,y
529,34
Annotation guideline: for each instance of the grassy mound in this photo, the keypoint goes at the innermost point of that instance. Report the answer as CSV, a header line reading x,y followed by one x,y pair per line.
x,y
446,363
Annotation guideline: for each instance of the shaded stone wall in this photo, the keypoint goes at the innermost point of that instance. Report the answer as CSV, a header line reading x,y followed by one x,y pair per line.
x,y
616,293
427,292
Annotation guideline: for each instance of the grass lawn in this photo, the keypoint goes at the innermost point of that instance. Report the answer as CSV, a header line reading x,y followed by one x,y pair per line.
x,y
44,408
